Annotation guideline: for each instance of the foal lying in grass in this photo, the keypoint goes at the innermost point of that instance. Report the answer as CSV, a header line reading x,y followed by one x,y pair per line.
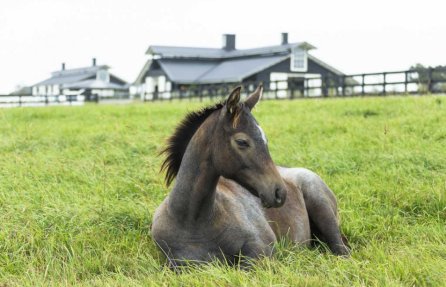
x,y
229,198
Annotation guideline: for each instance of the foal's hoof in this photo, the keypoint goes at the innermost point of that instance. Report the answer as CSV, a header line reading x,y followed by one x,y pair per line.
x,y
341,250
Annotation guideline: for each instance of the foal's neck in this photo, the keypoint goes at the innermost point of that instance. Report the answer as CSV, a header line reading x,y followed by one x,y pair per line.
x,y
193,196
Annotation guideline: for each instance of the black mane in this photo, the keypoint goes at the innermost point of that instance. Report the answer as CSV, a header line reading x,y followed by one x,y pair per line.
x,y
177,143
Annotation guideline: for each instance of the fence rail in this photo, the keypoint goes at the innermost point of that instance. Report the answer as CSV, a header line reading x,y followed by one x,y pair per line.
x,y
33,101
432,80
417,81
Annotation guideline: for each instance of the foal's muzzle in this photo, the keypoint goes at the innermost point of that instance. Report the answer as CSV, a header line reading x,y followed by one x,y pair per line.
x,y
275,198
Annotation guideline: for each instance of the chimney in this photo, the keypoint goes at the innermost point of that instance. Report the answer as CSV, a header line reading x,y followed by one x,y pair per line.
x,y
284,38
63,66
93,62
229,42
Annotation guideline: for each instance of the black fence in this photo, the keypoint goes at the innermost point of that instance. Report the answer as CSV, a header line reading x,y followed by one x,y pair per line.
x,y
416,81
422,81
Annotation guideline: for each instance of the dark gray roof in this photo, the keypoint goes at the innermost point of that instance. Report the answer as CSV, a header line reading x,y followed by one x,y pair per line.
x,y
190,65
81,78
95,84
71,75
22,91
217,53
238,69
189,72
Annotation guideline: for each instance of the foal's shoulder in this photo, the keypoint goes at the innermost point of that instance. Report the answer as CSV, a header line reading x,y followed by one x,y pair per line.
x,y
228,187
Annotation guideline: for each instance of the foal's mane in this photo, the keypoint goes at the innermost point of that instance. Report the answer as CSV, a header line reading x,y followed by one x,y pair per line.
x,y
178,141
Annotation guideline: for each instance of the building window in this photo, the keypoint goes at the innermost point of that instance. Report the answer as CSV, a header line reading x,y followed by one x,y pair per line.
x,y
150,85
299,60
42,90
102,75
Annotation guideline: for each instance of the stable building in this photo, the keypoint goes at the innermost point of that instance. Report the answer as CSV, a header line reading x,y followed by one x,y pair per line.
x,y
93,83
171,71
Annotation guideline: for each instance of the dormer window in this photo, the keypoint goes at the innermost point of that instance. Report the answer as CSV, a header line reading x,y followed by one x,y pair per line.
x,y
103,76
299,61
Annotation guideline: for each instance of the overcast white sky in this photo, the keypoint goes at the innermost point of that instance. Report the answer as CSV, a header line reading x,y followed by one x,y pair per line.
x,y
353,36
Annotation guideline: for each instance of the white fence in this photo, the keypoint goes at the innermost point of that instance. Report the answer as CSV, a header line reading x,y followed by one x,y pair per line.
x,y
9,101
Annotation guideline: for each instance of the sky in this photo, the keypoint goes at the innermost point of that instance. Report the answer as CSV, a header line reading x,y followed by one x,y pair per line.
x,y
354,36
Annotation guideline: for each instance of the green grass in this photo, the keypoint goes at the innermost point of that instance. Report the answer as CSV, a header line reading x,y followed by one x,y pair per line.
x,y
78,187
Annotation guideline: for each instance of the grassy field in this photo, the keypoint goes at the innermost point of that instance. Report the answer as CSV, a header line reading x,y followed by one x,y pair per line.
x,y
78,187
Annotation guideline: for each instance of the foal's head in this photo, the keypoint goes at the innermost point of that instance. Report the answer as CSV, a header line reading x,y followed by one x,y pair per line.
x,y
240,150
235,144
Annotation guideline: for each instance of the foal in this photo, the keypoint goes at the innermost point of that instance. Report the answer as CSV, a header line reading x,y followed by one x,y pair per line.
x,y
229,198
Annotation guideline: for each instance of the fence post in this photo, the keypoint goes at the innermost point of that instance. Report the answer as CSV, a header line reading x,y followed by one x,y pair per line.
x,y
406,78
429,80
324,86
384,83
336,85
363,84
343,85
275,90
306,88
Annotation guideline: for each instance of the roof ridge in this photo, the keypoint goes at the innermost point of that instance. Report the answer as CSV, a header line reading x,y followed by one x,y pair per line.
x,y
78,70
219,53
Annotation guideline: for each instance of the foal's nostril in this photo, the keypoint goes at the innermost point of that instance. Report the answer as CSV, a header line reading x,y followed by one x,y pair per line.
x,y
277,196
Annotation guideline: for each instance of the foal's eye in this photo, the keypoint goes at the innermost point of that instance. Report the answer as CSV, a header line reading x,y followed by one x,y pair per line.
x,y
242,143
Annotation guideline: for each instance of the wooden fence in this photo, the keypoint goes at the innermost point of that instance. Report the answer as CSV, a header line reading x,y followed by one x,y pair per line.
x,y
35,101
428,81
422,81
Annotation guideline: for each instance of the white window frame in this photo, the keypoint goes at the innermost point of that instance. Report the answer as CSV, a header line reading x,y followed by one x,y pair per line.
x,y
305,59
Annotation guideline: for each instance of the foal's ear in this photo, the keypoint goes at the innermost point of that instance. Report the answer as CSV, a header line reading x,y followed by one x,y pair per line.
x,y
254,98
233,100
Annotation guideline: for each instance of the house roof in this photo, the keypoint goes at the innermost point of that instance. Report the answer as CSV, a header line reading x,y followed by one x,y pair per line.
x,y
233,70
186,71
72,75
236,70
218,53
188,65
95,84
22,91
79,78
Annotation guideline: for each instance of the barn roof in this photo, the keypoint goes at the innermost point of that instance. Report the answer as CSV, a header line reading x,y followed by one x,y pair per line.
x,y
195,65
187,71
233,70
218,53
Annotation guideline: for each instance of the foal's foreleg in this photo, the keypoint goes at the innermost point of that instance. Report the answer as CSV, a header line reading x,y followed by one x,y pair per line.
x,y
251,251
